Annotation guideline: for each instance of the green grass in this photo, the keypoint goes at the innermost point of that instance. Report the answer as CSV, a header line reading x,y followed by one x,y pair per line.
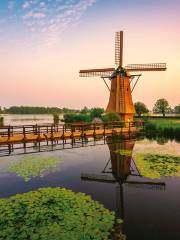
x,y
54,214
165,123
165,127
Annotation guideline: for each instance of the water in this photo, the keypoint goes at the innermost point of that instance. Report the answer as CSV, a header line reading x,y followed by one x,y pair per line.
x,y
28,119
150,211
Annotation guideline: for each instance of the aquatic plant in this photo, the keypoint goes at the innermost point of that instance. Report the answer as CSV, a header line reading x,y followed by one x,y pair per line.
x,y
34,166
158,165
54,213
124,152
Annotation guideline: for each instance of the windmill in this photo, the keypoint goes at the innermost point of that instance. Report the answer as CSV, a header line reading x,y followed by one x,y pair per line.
x,y
120,100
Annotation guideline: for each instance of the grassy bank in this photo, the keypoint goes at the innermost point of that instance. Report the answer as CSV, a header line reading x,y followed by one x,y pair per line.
x,y
165,127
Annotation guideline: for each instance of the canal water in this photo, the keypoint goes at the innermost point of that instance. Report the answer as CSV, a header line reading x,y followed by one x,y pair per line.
x,y
28,119
111,173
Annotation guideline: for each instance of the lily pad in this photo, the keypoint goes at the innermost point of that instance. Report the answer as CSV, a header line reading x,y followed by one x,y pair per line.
x,y
54,213
124,152
158,165
34,166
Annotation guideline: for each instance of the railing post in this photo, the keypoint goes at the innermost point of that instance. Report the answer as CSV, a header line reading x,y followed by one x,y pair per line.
x,y
9,132
104,133
94,128
72,136
63,136
52,135
24,138
36,129
39,136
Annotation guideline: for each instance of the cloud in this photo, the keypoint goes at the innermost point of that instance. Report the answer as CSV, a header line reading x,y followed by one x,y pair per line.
x,y
11,4
26,5
44,21
53,17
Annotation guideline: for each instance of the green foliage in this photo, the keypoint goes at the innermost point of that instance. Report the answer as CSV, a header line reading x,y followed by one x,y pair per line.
x,y
34,166
54,214
96,112
158,165
140,108
161,106
56,118
70,118
37,110
85,110
177,109
164,127
110,117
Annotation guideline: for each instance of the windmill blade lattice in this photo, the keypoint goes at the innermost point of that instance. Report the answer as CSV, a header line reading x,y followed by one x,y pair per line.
x,y
104,72
119,49
146,67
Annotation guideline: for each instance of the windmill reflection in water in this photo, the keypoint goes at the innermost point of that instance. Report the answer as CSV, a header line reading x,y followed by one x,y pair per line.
x,y
121,168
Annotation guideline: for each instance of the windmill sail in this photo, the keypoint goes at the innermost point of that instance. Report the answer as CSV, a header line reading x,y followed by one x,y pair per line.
x,y
146,67
103,72
119,49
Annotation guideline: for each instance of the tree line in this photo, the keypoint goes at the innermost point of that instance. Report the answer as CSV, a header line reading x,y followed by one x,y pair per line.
x,y
161,106
36,110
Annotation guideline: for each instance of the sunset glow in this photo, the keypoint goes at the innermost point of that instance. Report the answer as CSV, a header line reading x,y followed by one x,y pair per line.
x,y
45,43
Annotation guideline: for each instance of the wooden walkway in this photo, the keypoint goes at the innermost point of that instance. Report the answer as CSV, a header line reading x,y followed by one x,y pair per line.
x,y
52,132
30,138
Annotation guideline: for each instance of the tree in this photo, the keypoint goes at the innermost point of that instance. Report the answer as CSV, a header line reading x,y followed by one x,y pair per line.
x,y
1,110
96,112
84,110
161,106
140,108
56,118
177,109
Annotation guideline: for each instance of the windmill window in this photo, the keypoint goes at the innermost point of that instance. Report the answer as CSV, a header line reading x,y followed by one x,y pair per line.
x,y
127,89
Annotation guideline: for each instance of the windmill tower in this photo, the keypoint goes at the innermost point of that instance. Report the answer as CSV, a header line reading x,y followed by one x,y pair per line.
x,y
122,81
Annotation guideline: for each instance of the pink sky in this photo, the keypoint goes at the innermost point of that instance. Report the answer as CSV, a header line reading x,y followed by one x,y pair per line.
x,y
47,75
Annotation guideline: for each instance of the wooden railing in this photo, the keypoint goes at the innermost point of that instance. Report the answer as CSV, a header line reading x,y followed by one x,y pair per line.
x,y
9,131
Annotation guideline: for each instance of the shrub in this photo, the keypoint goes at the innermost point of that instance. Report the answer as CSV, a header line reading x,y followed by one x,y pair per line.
x,y
96,112
110,117
70,118
54,213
